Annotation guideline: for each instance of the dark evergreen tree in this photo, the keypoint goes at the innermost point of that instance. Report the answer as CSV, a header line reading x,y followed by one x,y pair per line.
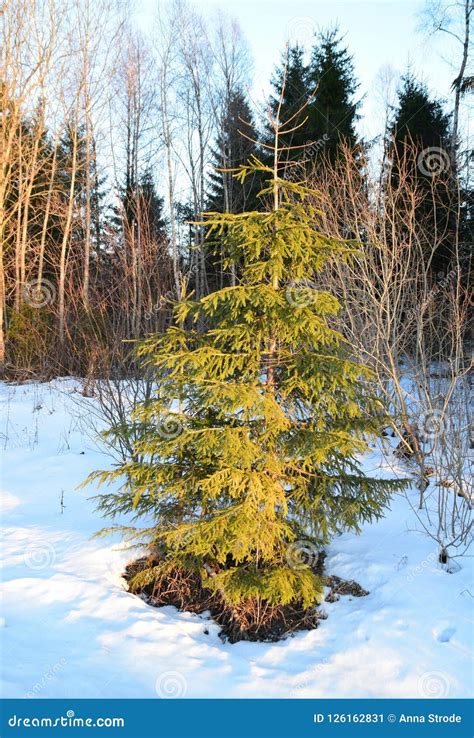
x,y
151,206
233,148
235,145
317,101
292,101
139,215
466,227
100,209
333,113
419,150
72,161
27,134
418,118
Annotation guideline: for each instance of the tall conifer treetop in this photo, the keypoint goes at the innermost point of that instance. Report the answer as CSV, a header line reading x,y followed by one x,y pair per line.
x,y
249,444
292,90
420,151
318,98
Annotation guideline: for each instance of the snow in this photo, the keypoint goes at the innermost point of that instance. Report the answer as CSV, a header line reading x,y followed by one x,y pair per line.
x,y
69,628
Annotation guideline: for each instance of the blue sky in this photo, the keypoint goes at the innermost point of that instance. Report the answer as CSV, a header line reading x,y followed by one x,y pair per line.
x,y
379,33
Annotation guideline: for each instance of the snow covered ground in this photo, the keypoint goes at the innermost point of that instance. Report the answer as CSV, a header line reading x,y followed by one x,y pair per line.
x,y
70,628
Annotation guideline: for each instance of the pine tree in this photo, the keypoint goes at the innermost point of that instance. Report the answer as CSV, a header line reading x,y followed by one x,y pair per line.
x,y
152,206
420,135
232,149
290,102
418,117
235,144
248,446
316,100
139,215
334,111
140,201
98,193
24,137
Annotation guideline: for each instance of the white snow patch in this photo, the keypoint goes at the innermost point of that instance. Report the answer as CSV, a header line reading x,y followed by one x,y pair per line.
x,y
70,628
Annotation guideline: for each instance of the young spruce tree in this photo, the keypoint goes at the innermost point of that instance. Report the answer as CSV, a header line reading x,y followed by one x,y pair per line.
x,y
246,454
